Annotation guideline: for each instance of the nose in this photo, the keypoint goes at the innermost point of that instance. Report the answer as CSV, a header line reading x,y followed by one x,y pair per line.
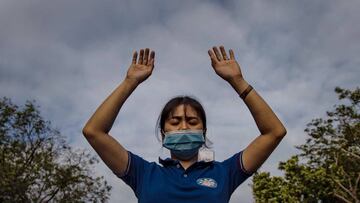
x,y
184,125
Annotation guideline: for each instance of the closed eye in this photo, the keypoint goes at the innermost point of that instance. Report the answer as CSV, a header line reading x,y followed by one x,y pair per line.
x,y
193,121
174,121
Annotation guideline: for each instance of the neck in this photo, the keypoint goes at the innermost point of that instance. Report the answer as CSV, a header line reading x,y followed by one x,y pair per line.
x,y
186,164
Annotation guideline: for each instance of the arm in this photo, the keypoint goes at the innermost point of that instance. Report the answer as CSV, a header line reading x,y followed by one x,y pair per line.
x,y
96,130
271,129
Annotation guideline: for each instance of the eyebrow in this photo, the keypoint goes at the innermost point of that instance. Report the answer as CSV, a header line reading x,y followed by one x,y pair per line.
x,y
179,117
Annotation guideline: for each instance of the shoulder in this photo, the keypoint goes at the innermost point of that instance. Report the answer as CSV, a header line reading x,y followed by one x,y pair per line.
x,y
235,162
136,163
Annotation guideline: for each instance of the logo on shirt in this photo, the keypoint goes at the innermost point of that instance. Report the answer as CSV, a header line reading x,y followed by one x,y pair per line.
x,y
207,182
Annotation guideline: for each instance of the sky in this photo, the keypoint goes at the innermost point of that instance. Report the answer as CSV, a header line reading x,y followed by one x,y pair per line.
x,y
69,55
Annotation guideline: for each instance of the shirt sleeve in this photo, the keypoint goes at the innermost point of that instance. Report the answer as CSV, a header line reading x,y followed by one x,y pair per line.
x,y
134,173
236,171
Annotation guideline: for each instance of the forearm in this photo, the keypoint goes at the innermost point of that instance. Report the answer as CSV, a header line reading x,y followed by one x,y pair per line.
x,y
266,120
104,117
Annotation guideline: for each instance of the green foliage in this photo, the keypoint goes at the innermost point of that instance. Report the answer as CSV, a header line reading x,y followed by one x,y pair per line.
x,y
37,165
331,155
271,189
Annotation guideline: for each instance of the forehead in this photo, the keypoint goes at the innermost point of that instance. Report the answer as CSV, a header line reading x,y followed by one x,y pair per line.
x,y
184,110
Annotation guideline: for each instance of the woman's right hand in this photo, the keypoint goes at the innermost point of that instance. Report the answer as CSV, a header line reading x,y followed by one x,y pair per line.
x,y
140,69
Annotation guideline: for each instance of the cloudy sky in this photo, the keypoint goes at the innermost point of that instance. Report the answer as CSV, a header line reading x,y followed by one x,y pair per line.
x,y
69,55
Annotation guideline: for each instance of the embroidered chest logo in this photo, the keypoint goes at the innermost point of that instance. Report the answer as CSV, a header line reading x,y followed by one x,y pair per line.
x,y
207,182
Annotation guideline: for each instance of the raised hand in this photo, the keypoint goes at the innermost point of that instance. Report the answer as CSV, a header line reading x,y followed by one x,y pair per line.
x,y
140,69
226,68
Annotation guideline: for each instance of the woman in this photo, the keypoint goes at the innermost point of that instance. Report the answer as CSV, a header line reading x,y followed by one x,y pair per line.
x,y
184,178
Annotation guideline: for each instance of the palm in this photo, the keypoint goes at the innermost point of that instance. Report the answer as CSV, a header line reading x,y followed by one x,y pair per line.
x,y
224,67
139,72
141,68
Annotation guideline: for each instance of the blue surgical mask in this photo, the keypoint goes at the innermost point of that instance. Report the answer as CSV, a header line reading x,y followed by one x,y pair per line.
x,y
184,144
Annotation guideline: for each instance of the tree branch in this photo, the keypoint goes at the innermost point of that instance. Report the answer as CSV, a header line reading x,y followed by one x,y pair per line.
x,y
345,189
41,191
342,198
29,159
357,183
51,196
351,153
28,135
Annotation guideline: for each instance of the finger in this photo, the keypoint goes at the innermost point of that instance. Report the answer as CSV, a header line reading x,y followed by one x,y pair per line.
x,y
141,56
151,63
152,58
212,56
217,53
134,57
232,56
146,56
223,52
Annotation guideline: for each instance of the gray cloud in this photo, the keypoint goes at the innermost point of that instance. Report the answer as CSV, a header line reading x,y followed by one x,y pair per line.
x,y
70,55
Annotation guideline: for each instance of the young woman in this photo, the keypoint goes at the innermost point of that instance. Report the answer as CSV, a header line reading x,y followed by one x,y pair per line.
x,y
182,123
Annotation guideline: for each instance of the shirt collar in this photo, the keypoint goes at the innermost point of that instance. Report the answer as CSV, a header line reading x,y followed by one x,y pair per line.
x,y
171,162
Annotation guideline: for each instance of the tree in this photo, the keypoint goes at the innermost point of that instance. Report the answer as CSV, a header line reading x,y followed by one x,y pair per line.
x,y
36,163
328,165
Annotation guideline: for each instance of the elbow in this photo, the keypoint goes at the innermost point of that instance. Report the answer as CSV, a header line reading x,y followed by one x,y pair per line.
x,y
91,132
92,135
280,132
88,132
85,131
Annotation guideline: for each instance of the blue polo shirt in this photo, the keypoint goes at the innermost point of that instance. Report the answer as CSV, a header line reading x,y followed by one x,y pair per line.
x,y
201,182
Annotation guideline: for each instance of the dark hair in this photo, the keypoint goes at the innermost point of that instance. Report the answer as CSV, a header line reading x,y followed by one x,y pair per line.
x,y
170,107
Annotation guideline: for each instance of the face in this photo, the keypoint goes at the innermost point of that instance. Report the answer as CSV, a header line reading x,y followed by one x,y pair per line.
x,y
183,118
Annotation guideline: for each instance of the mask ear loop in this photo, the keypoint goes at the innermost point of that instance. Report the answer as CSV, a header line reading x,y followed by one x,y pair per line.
x,y
205,152
163,152
208,143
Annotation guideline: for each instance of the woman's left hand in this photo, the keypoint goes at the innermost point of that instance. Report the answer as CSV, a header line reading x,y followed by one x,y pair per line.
x,y
227,68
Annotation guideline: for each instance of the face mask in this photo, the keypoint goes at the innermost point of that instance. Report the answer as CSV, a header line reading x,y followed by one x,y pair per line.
x,y
184,144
